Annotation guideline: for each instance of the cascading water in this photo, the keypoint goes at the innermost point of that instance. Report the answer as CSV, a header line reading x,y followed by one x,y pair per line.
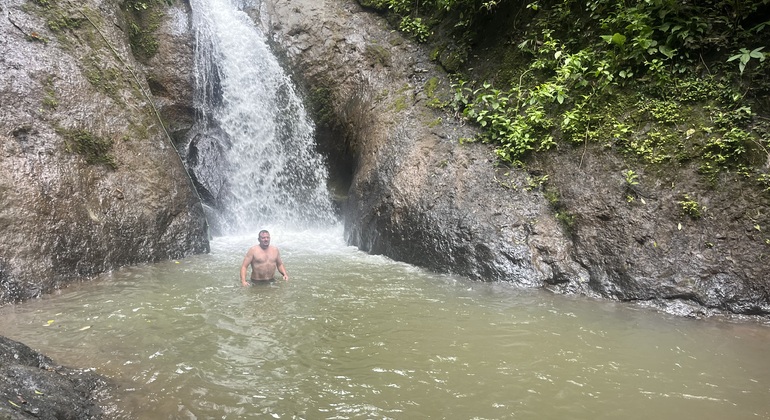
x,y
269,170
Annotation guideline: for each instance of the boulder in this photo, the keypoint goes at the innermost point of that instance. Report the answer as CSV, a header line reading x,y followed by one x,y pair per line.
x,y
32,386
89,177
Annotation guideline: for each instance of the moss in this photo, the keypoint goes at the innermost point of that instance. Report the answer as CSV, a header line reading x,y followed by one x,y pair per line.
x,y
453,60
60,18
144,18
378,55
96,150
61,21
104,77
430,87
431,90
561,213
49,94
435,53
322,105
400,103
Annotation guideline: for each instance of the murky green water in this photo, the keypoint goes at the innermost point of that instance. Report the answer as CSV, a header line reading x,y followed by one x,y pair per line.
x,y
359,336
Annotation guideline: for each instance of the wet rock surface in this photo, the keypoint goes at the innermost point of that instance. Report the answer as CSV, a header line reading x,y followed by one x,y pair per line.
x,y
32,386
417,195
89,180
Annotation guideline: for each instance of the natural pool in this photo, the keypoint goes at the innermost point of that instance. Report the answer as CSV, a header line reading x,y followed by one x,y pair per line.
x,y
358,336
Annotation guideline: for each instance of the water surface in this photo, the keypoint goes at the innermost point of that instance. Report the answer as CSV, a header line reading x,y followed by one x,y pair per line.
x,y
359,336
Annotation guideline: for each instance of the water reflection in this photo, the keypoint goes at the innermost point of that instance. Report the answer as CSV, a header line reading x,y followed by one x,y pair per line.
x,y
359,336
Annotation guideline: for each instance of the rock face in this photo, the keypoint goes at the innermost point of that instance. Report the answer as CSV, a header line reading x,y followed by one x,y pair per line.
x,y
417,195
89,179
32,386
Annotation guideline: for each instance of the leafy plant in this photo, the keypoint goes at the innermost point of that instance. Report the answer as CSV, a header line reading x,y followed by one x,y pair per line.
x,y
745,55
691,207
414,27
631,178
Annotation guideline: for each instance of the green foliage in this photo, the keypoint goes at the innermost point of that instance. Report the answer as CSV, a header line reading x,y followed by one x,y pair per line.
x,y
414,27
631,178
631,181
498,112
691,207
653,80
536,182
95,149
586,54
409,13
745,55
764,181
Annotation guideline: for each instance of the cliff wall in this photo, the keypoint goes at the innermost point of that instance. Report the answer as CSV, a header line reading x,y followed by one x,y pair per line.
x,y
564,222
89,179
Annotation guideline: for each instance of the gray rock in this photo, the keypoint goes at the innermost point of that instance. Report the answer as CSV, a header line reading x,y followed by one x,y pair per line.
x,y
415,194
32,386
89,180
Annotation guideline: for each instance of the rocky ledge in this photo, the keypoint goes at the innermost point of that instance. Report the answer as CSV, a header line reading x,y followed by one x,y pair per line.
x,y
32,386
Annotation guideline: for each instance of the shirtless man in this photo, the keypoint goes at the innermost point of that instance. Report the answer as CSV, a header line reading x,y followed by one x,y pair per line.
x,y
264,260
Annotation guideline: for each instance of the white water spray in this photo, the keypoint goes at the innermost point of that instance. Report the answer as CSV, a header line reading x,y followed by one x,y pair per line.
x,y
273,174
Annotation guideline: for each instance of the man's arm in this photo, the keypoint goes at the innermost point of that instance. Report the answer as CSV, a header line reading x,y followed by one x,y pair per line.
x,y
281,269
245,267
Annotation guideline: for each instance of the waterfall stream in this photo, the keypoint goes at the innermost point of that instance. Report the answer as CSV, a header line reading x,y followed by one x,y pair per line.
x,y
271,171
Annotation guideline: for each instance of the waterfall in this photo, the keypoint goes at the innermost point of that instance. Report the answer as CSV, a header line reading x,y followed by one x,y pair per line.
x,y
257,161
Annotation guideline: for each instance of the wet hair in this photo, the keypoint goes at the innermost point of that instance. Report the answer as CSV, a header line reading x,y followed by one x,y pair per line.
x,y
263,231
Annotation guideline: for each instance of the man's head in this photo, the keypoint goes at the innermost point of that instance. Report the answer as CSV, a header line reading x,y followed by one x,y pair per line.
x,y
264,239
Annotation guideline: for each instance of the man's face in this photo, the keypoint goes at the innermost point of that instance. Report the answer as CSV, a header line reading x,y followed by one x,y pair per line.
x,y
264,240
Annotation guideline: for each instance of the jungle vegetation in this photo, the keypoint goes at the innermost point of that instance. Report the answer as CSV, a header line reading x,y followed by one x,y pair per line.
x,y
660,81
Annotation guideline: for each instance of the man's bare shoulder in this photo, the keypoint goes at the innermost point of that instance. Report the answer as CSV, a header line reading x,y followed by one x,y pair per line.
x,y
253,250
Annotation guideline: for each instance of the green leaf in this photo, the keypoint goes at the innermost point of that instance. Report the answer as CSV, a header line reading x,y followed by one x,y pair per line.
x,y
665,50
617,39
